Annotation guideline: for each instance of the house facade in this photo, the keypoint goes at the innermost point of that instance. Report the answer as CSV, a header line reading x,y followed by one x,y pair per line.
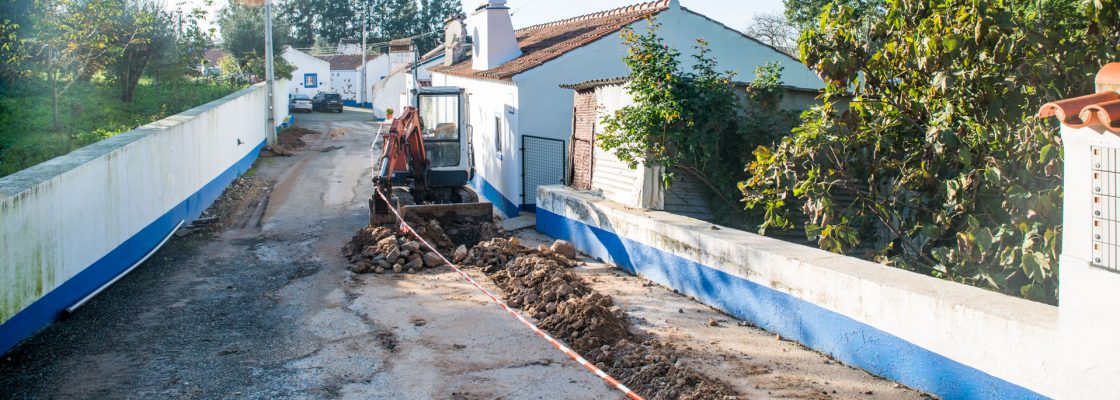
x,y
594,169
311,75
520,114
387,77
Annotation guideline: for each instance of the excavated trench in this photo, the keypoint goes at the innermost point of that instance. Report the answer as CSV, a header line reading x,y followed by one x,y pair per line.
x,y
540,283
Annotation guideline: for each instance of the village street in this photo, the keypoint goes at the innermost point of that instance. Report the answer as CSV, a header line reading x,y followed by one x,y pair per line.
x,y
266,308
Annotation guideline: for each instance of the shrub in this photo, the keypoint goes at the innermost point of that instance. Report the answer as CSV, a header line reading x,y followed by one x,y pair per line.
x,y
939,165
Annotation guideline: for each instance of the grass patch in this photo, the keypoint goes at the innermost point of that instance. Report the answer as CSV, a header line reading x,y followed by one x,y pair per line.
x,y
89,112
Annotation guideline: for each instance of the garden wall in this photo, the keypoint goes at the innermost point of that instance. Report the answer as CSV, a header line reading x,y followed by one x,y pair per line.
x,y
949,339
74,223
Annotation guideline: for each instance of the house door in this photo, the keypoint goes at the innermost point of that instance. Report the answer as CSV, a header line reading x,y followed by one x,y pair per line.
x,y
543,162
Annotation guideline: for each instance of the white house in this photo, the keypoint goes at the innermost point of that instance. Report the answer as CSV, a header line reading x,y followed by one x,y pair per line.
x,y
311,75
599,171
387,76
345,79
346,72
521,117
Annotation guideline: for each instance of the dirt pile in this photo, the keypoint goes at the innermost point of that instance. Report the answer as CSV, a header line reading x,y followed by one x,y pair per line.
x,y
292,138
539,281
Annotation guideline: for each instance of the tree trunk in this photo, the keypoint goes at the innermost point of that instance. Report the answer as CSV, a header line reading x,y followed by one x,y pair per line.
x,y
130,78
54,104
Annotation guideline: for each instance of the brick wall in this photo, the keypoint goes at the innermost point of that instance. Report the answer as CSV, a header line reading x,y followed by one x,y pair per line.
x,y
583,138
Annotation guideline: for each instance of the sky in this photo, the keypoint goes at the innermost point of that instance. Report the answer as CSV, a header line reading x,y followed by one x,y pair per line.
x,y
733,13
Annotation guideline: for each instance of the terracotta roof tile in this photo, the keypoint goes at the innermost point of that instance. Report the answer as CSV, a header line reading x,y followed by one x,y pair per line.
x,y
213,55
1101,108
544,42
1107,113
1069,111
344,61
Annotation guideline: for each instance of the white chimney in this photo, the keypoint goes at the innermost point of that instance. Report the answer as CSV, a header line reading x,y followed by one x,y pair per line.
x,y
494,40
455,46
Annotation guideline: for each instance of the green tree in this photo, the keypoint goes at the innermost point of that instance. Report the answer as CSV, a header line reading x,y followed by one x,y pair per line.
x,y
433,14
147,40
939,165
339,19
242,30
303,17
71,39
805,14
401,19
687,121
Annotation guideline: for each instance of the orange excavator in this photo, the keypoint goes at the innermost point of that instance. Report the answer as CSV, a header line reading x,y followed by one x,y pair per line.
x,y
426,163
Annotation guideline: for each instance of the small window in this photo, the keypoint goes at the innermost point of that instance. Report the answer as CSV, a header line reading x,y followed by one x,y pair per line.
x,y
498,133
310,80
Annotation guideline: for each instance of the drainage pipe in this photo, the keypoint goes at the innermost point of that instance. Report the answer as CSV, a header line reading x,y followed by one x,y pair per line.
x,y
84,300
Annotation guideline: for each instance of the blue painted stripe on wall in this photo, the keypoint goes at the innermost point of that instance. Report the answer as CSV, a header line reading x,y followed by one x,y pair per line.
x,y
491,193
845,339
49,307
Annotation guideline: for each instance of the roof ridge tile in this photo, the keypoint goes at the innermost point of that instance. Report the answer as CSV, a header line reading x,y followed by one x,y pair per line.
x,y
599,14
1101,108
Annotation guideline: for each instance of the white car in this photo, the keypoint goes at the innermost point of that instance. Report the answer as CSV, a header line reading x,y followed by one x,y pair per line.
x,y
299,102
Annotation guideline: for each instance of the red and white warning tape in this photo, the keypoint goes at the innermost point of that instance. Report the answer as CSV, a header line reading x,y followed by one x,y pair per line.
x,y
555,343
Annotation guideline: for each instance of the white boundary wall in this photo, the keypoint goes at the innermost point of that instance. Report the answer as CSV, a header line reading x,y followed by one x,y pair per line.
x,y
71,224
939,336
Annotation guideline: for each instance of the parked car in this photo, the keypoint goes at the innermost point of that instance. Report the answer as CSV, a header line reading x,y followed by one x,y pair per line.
x,y
327,102
299,102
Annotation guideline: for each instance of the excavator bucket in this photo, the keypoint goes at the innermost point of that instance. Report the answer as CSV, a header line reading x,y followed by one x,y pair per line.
x,y
462,213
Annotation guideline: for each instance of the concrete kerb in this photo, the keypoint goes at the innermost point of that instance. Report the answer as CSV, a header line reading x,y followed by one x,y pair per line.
x,y
986,336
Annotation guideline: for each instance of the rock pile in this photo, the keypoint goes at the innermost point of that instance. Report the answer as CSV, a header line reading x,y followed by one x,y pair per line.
x,y
381,249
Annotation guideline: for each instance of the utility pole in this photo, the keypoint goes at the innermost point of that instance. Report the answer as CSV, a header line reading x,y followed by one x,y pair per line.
x,y
268,67
365,23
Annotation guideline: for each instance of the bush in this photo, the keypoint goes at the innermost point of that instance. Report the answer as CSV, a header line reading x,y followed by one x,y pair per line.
x,y
939,165
93,111
690,121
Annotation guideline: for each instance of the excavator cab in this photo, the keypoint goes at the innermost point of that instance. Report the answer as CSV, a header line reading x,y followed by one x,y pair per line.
x,y
427,163
442,112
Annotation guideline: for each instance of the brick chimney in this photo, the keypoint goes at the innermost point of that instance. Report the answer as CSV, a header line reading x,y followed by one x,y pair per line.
x,y
455,44
494,40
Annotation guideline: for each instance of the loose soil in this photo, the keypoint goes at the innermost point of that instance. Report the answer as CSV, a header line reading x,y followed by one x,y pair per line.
x,y
292,138
540,283
237,207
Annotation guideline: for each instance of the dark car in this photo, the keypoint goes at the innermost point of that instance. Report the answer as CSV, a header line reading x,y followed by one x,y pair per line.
x,y
327,102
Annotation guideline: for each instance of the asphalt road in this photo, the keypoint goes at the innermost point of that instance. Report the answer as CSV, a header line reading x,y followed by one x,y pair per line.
x,y
267,310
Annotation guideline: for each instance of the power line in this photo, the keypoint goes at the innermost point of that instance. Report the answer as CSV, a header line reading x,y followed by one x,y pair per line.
x,y
369,47
527,3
